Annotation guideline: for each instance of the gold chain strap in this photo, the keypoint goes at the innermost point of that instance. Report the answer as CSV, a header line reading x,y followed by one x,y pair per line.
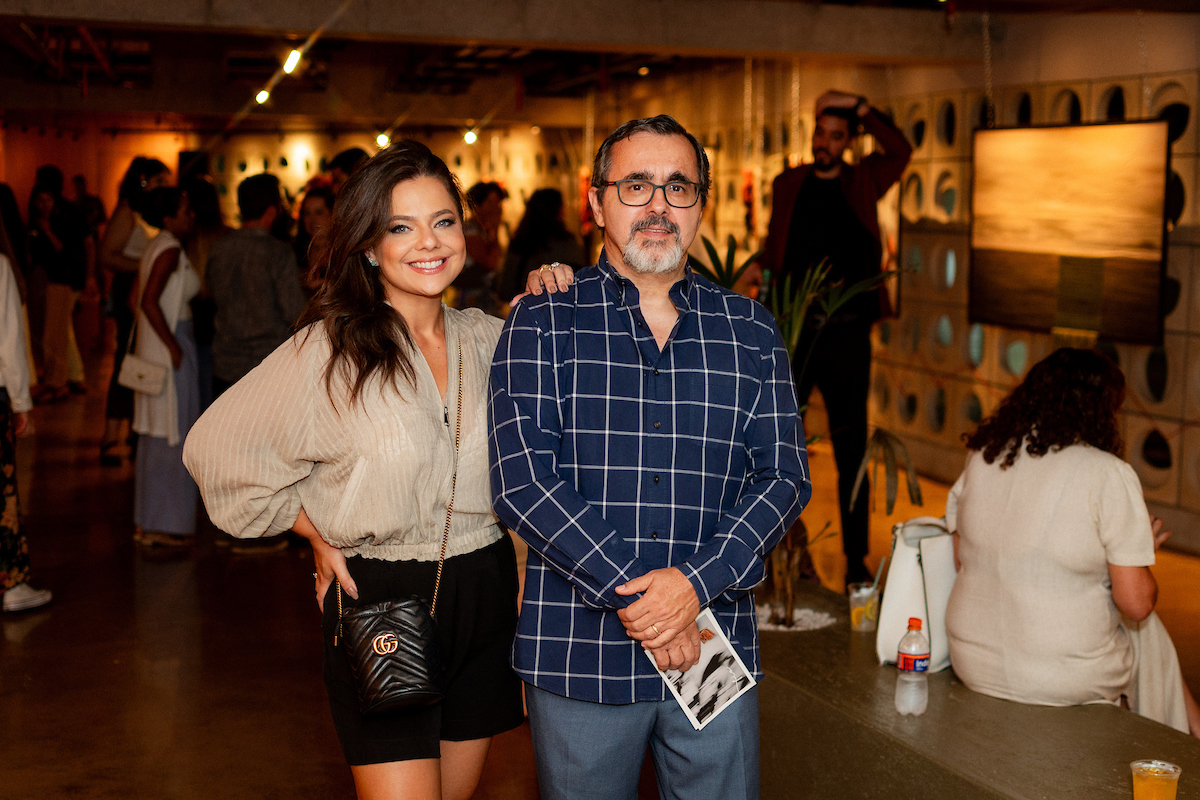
x,y
453,485
449,508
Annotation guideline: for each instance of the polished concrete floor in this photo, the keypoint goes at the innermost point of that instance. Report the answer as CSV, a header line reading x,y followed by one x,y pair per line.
x,y
198,674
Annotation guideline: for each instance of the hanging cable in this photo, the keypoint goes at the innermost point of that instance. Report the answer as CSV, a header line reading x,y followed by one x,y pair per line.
x,y
988,92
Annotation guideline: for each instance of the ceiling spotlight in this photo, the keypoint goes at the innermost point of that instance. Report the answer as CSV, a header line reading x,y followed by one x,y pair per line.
x,y
535,130
469,137
262,96
292,60
382,140
644,71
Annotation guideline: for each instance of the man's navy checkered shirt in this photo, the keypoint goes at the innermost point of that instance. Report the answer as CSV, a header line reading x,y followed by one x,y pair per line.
x,y
611,458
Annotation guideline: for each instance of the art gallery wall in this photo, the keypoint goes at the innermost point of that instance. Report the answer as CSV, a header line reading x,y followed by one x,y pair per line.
x,y
936,374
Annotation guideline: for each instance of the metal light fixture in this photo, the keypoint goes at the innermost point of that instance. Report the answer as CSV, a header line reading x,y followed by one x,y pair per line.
x,y
292,60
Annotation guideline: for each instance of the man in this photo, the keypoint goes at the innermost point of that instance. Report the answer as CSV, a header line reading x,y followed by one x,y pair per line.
x,y
645,442
343,166
90,206
255,285
826,210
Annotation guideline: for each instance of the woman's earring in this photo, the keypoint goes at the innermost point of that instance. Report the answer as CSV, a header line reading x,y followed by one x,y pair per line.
x,y
371,260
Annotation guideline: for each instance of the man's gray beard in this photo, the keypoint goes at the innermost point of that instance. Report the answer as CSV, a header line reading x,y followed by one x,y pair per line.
x,y
653,259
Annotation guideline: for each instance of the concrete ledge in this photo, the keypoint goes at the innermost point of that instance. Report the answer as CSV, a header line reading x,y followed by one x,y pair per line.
x,y
830,730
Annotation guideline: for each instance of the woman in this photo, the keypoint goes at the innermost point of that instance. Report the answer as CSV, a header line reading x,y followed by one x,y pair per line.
x,y
164,505
1054,545
346,435
210,227
57,246
316,212
125,239
541,238
15,403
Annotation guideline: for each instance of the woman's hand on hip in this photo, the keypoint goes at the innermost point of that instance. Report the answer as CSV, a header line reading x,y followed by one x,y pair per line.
x,y
328,560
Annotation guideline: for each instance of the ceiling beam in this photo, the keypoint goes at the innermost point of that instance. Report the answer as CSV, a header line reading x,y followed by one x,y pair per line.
x,y
762,28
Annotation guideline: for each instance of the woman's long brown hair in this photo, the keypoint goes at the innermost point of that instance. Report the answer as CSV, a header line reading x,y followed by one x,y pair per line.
x,y
1070,396
367,336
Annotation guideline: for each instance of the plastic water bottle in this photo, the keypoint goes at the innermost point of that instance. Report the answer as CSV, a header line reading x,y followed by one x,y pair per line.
x,y
912,659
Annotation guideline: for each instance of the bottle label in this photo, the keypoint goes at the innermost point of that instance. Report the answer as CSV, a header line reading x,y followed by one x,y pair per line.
x,y
912,663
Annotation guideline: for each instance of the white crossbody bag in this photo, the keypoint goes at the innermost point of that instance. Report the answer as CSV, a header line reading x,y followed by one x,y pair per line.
x,y
139,374
920,576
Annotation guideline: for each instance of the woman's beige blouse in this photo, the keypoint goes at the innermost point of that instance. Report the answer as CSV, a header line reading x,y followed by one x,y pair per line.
x,y
374,477
1031,617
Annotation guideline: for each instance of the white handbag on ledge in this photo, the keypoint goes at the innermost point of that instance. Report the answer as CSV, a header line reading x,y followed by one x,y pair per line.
x,y
920,576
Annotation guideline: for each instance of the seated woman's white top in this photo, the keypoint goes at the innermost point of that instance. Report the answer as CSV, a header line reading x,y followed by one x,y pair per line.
x,y
1031,617
373,476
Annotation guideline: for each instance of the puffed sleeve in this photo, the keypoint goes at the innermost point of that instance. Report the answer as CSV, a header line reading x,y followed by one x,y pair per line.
x,y
251,448
1122,518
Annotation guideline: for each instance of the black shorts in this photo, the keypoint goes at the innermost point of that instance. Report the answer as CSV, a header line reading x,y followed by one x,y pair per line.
x,y
477,620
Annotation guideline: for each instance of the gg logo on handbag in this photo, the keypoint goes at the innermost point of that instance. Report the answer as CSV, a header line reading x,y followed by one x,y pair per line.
x,y
385,643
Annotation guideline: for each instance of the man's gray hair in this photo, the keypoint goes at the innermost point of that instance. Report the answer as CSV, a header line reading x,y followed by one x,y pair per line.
x,y
663,125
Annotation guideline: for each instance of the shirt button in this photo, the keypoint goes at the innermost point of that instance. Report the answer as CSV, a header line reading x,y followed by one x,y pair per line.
x,y
656,479
658,424
655,372
654,535
639,324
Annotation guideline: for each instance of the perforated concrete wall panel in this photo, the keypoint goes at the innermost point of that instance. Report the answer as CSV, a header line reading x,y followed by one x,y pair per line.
x,y
949,183
949,126
914,111
1185,168
1010,102
1189,469
945,340
1179,87
1161,485
1056,102
1191,377
1180,260
1102,94
1143,366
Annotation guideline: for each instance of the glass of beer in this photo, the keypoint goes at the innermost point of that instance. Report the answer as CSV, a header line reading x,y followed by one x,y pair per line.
x,y
864,606
1154,780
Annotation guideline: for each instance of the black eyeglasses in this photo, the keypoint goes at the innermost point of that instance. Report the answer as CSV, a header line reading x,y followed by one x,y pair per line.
x,y
634,192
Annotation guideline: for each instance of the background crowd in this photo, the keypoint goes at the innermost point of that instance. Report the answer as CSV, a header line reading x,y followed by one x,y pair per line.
x,y
213,297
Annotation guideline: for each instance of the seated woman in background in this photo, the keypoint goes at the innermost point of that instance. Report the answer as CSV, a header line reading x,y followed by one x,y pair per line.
x,y
1054,599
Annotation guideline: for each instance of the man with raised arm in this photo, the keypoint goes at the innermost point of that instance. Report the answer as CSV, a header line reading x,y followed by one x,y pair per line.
x,y
826,211
645,443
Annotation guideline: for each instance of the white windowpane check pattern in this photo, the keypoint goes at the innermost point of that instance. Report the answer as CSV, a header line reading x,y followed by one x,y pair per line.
x,y
611,458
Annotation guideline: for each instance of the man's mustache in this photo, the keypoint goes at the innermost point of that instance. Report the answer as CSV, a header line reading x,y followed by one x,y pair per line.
x,y
655,221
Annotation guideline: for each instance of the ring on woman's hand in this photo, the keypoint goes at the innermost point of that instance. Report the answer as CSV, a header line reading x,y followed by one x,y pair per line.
x,y
547,267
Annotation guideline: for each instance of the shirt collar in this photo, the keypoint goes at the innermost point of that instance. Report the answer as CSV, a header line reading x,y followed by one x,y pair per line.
x,y
623,288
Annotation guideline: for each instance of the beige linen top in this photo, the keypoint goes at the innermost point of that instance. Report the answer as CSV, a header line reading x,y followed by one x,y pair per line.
x,y
374,477
1031,617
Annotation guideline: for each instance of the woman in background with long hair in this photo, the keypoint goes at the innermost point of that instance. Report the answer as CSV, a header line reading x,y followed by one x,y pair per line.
x,y
125,240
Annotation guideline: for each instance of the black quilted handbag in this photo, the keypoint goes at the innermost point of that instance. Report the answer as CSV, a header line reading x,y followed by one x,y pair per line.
x,y
393,646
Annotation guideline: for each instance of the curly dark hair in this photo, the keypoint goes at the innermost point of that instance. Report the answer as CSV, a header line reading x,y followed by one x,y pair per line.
x,y
1069,397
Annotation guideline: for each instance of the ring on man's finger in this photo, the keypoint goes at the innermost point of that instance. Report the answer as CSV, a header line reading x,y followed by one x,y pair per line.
x,y
657,632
